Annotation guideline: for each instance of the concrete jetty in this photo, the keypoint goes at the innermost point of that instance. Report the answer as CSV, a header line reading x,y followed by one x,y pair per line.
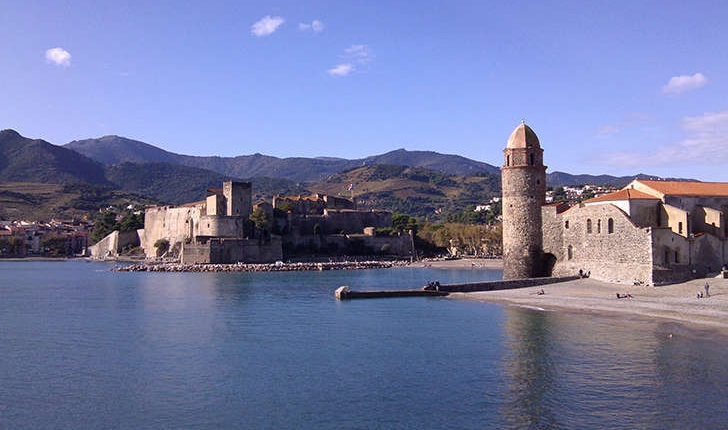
x,y
345,293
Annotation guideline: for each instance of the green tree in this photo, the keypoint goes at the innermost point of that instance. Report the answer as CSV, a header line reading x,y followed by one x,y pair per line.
x,y
132,222
162,246
262,219
54,245
105,224
403,222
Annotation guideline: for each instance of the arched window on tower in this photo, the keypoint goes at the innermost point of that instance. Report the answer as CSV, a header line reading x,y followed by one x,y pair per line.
x,y
610,226
588,226
569,252
532,159
508,160
599,226
566,224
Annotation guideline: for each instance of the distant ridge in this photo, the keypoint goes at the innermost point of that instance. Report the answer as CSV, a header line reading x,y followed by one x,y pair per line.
x,y
35,160
117,149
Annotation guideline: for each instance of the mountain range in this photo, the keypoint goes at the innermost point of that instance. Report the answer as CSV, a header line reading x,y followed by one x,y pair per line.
x,y
415,182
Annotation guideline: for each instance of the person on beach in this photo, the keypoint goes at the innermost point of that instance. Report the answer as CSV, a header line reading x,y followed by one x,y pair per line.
x,y
707,287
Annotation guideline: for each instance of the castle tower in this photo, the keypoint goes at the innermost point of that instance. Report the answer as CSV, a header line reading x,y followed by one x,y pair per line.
x,y
238,198
523,180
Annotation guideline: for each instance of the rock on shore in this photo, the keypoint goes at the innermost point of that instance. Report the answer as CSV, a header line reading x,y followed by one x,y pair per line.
x,y
273,267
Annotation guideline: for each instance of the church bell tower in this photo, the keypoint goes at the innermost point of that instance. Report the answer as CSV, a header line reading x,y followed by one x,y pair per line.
x,y
523,181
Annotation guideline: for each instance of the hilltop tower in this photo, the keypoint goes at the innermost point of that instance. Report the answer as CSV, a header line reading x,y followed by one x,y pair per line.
x,y
523,180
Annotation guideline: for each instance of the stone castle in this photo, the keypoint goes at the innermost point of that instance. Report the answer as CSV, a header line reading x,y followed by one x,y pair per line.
x,y
649,232
219,230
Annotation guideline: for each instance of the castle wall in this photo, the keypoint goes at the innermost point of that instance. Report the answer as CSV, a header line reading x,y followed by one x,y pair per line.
x,y
173,224
220,226
215,205
622,255
114,243
352,221
238,198
228,251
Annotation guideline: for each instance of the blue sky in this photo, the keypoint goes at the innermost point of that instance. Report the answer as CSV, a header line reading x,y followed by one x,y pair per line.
x,y
614,87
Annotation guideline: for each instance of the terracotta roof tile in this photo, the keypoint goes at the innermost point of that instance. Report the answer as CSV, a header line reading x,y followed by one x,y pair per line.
x,y
622,195
680,188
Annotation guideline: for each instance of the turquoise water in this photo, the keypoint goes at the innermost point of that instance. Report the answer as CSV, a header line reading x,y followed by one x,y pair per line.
x,y
82,347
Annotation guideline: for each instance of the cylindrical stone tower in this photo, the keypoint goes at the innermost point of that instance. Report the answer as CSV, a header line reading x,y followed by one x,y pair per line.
x,y
523,180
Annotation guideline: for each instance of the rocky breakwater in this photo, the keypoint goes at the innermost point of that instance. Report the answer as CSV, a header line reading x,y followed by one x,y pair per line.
x,y
274,267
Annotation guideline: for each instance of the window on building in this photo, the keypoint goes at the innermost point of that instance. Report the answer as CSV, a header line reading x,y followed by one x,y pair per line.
x,y
532,160
588,226
599,226
508,160
679,228
569,252
566,224
667,256
610,226
676,257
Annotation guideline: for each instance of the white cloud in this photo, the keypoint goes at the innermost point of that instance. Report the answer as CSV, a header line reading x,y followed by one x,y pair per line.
x,y
359,54
266,25
634,120
58,56
354,57
316,26
680,84
705,142
341,69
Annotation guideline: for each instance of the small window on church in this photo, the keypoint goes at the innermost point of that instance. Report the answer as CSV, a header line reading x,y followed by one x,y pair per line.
x,y
508,160
588,226
569,252
533,162
599,226
566,224
610,226
679,228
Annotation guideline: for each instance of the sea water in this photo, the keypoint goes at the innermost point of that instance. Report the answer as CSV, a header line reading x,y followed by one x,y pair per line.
x,y
84,347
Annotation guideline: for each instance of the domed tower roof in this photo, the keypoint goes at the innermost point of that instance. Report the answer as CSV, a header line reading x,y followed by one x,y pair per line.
x,y
523,137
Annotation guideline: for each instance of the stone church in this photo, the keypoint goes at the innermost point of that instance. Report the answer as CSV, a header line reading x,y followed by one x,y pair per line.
x,y
650,231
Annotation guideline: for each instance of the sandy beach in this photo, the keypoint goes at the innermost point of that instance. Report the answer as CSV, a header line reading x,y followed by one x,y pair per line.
x,y
677,302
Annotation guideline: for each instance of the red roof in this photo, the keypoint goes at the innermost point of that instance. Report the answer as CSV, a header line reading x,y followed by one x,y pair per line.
x,y
628,194
683,188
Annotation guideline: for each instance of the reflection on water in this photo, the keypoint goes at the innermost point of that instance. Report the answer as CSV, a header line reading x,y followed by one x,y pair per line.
x,y
531,375
585,371
81,347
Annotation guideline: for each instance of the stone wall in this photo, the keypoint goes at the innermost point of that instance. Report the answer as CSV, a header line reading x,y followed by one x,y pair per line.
x,y
622,255
523,197
114,243
220,226
677,219
226,251
175,224
353,221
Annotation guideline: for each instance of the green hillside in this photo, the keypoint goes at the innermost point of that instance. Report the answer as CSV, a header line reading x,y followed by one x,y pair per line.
x,y
35,160
411,190
33,201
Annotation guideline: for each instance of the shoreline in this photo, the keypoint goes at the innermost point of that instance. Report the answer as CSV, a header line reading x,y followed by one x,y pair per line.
x,y
676,302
